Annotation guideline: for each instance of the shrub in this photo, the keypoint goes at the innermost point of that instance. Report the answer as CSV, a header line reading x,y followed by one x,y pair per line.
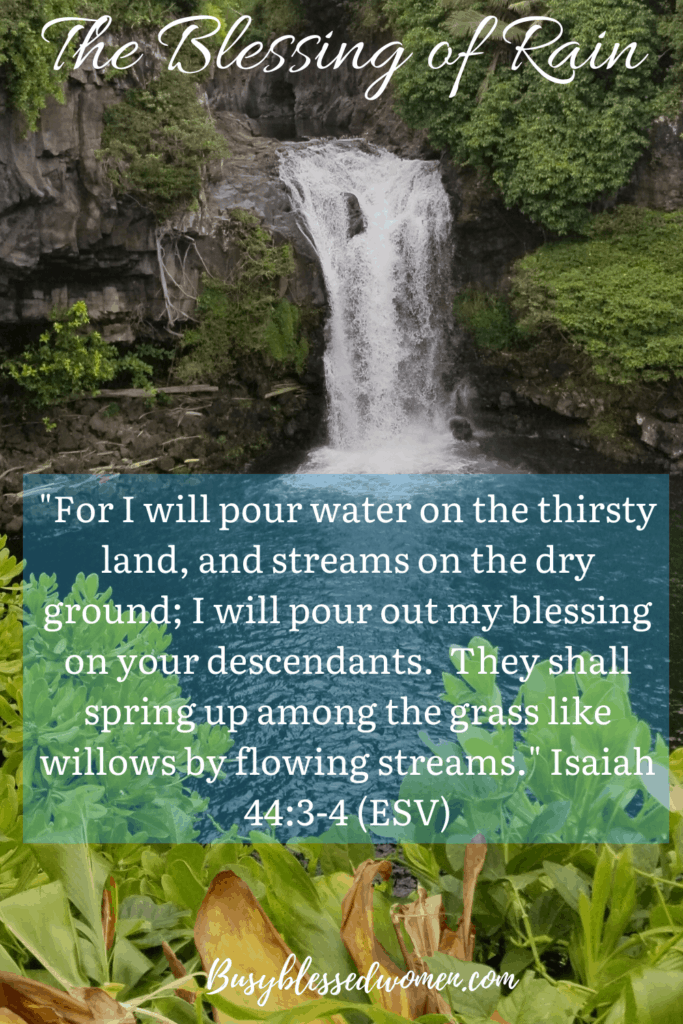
x,y
137,808
66,361
618,294
551,149
488,318
26,59
157,141
70,361
244,325
11,735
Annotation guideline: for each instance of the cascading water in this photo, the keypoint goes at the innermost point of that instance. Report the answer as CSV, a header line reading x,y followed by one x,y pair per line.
x,y
381,227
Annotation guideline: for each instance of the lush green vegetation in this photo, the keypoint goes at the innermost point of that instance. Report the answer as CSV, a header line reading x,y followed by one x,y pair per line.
x,y
245,324
121,808
617,294
552,150
26,59
542,805
592,933
68,360
11,733
487,317
157,141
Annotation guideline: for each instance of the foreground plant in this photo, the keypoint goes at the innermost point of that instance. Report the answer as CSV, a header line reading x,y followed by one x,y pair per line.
x,y
534,801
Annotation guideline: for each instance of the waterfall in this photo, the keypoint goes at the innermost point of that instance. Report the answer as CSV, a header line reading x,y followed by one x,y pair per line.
x,y
381,228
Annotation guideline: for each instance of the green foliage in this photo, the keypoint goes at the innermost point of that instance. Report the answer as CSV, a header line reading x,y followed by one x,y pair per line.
x,y
66,361
280,335
272,17
244,325
553,150
589,932
487,317
671,30
157,141
538,803
10,692
136,807
26,59
618,294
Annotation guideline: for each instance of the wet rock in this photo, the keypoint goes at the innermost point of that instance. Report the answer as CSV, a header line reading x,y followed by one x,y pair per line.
x,y
460,428
668,412
558,369
357,222
575,404
664,437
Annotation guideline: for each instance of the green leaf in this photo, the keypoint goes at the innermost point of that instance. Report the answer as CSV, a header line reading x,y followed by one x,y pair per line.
x,y
657,996
481,1002
534,1000
40,918
182,887
7,963
326,1008
82,875
129,963
567,881
550,820
294,906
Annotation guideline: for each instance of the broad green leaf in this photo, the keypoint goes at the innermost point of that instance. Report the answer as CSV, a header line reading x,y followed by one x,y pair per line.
x,y
175,1009
535,1000
567,881
82,875
7,963
294,906
129,963
307,1012
657,996
41,919
182,887
480,1002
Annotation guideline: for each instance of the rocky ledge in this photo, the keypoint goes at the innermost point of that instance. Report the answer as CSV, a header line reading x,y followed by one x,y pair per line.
x,y
209,431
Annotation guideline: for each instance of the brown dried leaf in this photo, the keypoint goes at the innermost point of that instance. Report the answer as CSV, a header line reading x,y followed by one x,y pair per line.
x,y
232,925
108,916
421,920
178,971
461,944
35,1003
358,935
7,1017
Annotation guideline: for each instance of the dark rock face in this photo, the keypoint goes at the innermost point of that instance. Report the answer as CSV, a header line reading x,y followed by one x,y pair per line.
x,y
220,432
664,437
657,179
460,428
64,236
357,222
311,103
